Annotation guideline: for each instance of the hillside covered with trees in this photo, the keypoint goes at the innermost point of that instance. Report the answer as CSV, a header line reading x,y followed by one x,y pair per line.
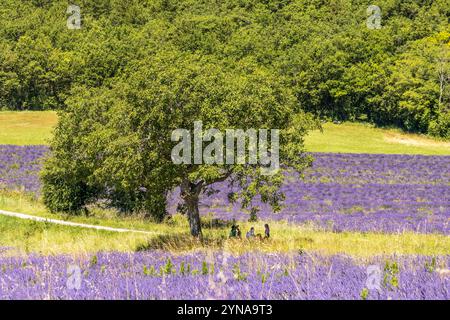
x,y
322,52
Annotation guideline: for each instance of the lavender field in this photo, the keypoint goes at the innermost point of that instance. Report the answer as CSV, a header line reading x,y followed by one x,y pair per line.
x,y
160,275
361,192
341,192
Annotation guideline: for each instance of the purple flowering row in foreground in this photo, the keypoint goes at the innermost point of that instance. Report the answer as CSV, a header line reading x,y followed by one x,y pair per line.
x,y
341,192
159,275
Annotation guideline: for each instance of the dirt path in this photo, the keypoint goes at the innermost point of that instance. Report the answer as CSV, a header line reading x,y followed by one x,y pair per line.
x,y
68,223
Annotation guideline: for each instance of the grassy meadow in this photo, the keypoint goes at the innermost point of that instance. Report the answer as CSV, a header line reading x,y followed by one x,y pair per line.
x,y
23,240
49,239
30,128
35,127
365,138
27,127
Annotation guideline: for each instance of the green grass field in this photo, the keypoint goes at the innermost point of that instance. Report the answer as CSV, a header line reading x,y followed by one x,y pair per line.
x,y
45,238
26,128
365,138
29,128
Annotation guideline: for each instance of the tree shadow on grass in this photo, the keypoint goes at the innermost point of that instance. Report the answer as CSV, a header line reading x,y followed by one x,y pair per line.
x,y
216,224
181,242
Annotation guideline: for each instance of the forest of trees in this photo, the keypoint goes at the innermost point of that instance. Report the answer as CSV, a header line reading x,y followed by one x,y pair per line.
x,y
322,50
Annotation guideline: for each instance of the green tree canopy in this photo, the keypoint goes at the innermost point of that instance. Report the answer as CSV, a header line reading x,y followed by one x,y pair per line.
x,y
336,66
116,143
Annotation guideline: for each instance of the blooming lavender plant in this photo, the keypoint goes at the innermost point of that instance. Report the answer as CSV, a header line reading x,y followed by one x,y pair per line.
x,y
341,192
20,166
357,192
160,275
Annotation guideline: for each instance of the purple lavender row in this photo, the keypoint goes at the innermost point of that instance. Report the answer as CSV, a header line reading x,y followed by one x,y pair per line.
x,y
370,207
353,192
380,168
159,275
20,166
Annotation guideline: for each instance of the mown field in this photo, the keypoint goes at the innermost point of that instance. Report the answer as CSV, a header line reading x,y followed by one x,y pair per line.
x,y
373,197
35,128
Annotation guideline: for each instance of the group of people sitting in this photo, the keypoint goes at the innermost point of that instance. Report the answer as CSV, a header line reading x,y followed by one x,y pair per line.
x,y
236,233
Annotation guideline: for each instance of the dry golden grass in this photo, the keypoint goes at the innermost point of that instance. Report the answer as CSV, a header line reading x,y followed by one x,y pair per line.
x,y
172,235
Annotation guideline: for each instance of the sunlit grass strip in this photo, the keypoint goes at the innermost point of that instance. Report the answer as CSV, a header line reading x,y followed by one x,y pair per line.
x,y
365,138
27,127
45,238
217,275
51,239
35,127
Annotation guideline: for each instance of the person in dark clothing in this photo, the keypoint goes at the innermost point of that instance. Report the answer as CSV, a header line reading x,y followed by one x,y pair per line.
x,y
233,231
266,231
238,232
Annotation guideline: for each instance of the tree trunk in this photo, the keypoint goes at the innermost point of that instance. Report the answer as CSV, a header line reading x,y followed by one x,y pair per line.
x,y
194,218
190,193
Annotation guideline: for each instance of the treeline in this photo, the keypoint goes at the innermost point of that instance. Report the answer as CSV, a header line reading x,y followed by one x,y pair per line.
x,y
324,51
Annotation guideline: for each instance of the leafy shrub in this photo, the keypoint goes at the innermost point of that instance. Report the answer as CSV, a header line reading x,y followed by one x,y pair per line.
x,y
441,126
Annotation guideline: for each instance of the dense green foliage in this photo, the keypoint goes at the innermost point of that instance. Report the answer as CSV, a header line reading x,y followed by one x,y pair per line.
x,y
115,144
336,66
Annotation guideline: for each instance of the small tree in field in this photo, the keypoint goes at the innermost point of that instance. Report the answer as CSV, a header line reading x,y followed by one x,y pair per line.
x,y
117,143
